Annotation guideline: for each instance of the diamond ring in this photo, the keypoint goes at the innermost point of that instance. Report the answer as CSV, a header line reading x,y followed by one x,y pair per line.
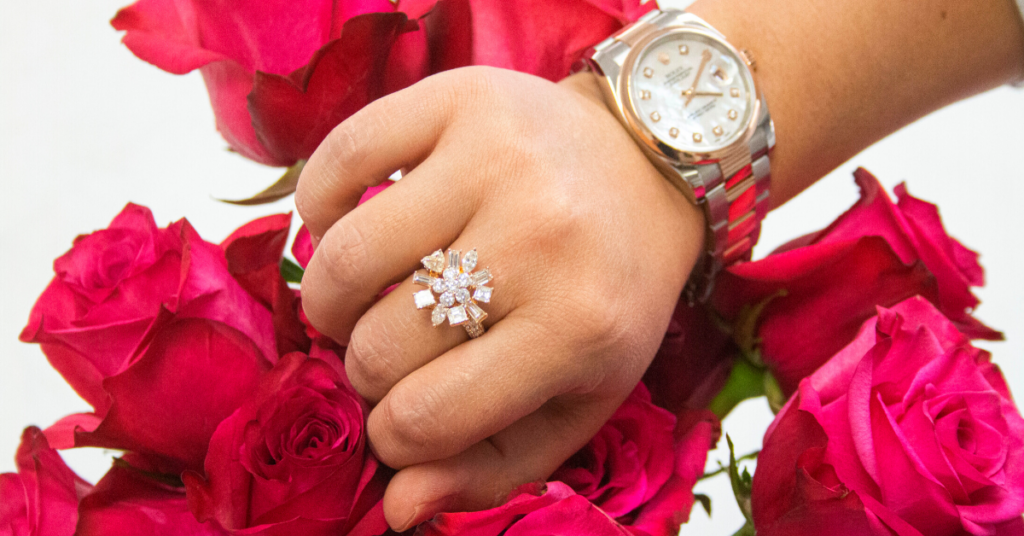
x,y
451,278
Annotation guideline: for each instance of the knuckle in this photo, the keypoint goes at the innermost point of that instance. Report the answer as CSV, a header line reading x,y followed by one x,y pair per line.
x,y
404,428
370,368
344,252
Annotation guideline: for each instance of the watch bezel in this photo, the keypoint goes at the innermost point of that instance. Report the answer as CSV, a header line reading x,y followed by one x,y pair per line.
x,y
650,140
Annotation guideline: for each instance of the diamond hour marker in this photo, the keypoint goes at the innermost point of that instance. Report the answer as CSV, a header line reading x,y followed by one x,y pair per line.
x,y
648,72
674,132
733,115
645,94
697,137
684,50
655,116
734,92
663,58
718,131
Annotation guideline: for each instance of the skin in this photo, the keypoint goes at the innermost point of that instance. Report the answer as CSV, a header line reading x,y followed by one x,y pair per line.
x,y
589,245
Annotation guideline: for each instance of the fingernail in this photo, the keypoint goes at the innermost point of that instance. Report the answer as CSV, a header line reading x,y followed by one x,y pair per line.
x,y
426,511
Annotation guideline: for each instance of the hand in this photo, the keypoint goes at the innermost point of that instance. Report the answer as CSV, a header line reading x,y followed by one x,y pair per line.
x,y
589,247
705,57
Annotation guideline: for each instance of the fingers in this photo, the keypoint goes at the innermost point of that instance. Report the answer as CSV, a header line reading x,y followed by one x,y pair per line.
x,y
393,132
393,338
380,243
472,392
482,476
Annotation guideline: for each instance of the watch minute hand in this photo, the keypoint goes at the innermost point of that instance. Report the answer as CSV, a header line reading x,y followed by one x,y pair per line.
x,y
704,59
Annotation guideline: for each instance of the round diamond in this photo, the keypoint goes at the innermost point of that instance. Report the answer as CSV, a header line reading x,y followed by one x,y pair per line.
x,y
439,286
450,274
451,286
464,280
448,299
462,295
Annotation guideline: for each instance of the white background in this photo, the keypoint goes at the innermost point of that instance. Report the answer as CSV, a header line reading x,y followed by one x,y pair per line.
x,y
86,127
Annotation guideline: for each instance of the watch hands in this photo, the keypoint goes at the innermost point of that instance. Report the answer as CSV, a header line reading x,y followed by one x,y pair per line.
x,y
705,57
688,93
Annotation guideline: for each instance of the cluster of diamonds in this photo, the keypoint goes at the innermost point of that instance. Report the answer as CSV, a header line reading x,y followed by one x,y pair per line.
x,y
457,288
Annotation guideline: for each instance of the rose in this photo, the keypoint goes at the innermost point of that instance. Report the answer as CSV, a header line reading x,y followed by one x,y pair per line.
x,y
907,430
254,252
41,499
634,477
112,285
128,501
293,458
692,363
636,471
152,329
877,253
532,509
281,75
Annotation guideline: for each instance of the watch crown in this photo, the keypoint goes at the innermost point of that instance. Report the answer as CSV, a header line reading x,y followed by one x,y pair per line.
x,y
748,58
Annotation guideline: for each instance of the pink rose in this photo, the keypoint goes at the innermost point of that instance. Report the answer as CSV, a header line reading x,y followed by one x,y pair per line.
x,y
281,75
112,285
877,253
41,499
127,501
908,430
152,329
293,458
636,471
531,510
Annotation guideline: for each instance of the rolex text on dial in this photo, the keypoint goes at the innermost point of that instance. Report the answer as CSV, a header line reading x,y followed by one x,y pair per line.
x,y
692,91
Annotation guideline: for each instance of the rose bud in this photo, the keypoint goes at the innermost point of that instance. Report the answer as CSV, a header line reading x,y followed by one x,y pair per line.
x,y
821,287
293,458
907,430
41,499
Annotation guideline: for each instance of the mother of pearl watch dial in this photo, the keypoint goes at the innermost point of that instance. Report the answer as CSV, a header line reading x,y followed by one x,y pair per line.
x,y
692,91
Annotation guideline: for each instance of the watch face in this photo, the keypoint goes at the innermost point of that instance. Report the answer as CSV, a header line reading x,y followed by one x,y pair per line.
x,y
692,91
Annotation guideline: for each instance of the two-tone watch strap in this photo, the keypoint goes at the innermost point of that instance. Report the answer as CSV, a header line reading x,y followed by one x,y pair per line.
x,y
736,200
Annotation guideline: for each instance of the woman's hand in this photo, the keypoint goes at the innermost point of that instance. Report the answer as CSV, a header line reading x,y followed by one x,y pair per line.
x,y
589,247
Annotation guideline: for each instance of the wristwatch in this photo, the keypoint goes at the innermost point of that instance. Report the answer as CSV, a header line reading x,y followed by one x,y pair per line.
x,y
690,101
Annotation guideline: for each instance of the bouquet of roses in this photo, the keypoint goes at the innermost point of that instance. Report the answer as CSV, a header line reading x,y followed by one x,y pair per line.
x,y
235,415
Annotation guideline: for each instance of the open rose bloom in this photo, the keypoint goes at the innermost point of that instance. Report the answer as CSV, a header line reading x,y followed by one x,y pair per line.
x,y
232,415
908,430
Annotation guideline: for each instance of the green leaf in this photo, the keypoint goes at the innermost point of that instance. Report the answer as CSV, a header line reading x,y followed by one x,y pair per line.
x,y
290,271
746,530
745,381
284,187
744,331
776,398
163,478
704,501
741,482
721,468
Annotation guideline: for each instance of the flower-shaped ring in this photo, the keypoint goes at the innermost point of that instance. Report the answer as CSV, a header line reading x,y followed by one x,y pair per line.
x,y
451,278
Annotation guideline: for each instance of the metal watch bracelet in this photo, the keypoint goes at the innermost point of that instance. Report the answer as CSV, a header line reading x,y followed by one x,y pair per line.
x,y
733,192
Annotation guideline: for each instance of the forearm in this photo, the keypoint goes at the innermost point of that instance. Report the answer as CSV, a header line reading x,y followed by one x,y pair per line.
x,y
840,75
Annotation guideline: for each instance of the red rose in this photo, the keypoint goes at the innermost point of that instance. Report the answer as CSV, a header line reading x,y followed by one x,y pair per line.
x,y
693,362
128,502
293,458
281,75
112,285
636,471
532,509
876,254
908,430
152,329
254,253
41,499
